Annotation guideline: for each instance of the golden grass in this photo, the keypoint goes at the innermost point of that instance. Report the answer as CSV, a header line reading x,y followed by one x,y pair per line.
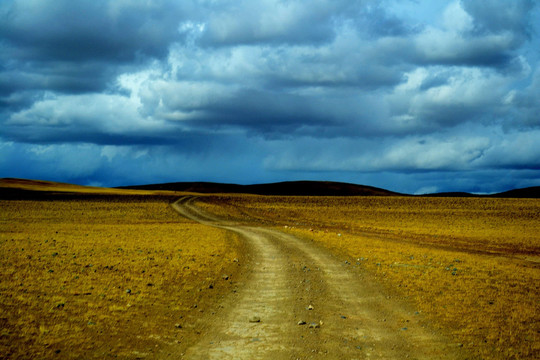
x,y
469,264
103,278
51,186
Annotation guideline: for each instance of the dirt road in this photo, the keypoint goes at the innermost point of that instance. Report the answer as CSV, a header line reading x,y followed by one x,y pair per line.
x,y
297,301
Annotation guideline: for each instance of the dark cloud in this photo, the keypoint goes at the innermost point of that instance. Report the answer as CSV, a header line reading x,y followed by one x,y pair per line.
x,y
494,16
477,34
60,30
525,105
375,21
65,77
66,47
399,95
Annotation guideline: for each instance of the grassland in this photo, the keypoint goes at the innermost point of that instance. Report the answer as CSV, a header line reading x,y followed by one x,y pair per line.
x,y
93,273
105,276
470,265
37,187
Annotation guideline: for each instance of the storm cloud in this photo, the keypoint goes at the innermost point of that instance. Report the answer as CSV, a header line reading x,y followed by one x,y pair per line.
x,y
404,95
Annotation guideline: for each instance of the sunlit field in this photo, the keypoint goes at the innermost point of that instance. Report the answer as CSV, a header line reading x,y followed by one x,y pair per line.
x,y
111,276
104,277
470,265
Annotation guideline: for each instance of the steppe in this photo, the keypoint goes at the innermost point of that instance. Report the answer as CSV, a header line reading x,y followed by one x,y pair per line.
x,y
124,273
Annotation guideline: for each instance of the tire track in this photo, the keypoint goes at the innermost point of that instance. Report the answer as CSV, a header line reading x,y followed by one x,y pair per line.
x,y
359,317
265,295
356,321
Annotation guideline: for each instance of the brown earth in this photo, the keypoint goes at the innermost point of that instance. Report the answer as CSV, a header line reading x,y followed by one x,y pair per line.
x,y
297,301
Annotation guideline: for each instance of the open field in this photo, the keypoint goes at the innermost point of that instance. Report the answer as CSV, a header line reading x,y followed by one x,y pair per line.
x,y
292,283
106,276
119,274
471,265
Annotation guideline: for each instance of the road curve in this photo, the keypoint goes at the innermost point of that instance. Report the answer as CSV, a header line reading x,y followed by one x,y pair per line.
x,y
292,281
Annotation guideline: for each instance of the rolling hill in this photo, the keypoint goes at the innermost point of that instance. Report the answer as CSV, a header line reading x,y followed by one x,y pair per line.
x,y
20,188
298,188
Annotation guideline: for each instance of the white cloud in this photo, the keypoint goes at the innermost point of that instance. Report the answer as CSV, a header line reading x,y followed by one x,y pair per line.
x,y
427,190
435,154
248,22
456,19
334,87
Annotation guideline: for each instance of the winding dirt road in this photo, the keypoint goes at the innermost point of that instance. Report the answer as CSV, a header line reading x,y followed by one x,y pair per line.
x,y
290,281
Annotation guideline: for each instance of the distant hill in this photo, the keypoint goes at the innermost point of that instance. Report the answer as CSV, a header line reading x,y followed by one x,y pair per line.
x,y
530,192
17,189
11,188
299,188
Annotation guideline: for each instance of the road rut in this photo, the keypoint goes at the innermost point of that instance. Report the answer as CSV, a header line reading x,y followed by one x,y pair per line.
x,y
292,281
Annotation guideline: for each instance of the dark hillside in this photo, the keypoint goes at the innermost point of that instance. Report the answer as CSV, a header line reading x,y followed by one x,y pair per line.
x,y
300,188
29,189
530,192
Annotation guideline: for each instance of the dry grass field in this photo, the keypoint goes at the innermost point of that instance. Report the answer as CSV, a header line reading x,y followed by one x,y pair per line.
x,y
471,265
17,185
90,273
105,277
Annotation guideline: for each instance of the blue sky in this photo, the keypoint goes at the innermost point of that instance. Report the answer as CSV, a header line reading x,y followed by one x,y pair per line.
x,y
412,96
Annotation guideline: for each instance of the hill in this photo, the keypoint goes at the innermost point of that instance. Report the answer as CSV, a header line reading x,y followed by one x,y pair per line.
x,y
298,188
530,192
11,188
17,189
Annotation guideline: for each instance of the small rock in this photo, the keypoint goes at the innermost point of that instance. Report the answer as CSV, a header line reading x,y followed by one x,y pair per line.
x,y
301,322
211,286
343,317
128,291
225,277
314,325
178,326
254,319
310,307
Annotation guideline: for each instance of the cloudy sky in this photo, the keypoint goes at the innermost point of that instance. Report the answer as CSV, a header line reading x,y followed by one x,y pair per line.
x,y
413,96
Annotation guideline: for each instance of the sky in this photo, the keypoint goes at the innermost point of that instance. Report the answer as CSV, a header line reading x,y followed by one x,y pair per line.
x,y
413,96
